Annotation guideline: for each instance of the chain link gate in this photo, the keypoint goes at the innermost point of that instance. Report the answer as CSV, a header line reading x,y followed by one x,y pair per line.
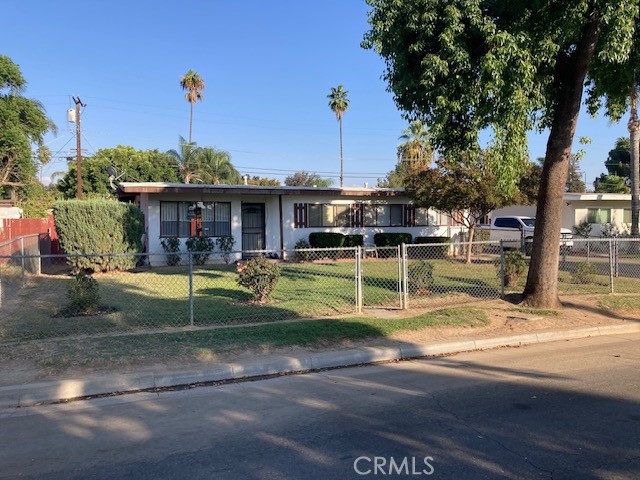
x,y
381,278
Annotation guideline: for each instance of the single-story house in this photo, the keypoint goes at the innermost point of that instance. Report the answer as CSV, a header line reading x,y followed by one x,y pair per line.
x,y
598,209
276,218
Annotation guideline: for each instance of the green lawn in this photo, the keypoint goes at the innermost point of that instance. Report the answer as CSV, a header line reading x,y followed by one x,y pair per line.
x,y
203,344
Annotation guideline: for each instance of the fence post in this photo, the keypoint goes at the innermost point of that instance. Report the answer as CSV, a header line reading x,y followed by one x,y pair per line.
x,y
501,269
358,279
190,289
23,280
611,266
405,278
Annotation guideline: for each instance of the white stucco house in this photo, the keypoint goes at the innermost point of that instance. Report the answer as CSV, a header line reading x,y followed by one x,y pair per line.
x,y
275,218
599,209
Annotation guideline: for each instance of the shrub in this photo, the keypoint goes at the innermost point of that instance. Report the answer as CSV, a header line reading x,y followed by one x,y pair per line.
x,y
299,247
171,246
260,276
83,294
420,276
391,239
99,226
515,266
432,251
201,245
584,273
354,240
583,229
326,240
225,244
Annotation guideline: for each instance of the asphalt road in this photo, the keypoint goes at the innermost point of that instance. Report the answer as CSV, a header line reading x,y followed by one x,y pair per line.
x,y
566,410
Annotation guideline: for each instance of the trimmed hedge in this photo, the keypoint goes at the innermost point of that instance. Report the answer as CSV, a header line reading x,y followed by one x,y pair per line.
x,y
99,226
432,251
391,239
353,241
326,240
432,240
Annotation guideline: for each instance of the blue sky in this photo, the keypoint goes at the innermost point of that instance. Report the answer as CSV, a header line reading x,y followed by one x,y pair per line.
x,y
268,67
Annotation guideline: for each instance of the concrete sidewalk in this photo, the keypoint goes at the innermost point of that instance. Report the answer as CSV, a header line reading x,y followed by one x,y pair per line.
x,y
63,390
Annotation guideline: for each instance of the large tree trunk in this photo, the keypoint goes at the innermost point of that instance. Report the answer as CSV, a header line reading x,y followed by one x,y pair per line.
x,y
541,290
634,126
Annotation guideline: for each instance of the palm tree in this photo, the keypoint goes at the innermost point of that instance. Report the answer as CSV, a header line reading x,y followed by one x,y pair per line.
x,y
216,167
193,84
416,147
338,103
187,160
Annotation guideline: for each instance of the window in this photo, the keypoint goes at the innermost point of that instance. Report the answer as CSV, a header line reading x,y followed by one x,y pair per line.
x,y
356,215
422,217
626,216
505,222
327,215
215,218
599,215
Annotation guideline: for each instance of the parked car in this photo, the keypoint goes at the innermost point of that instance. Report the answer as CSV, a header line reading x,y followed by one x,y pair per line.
x,y
516,232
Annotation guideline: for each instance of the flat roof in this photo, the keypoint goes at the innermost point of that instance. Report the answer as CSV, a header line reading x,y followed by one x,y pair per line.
x,y
598,196
161,187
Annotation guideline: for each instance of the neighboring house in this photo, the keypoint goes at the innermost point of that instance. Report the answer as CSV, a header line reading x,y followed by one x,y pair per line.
x,y
599,209
276,218
9,210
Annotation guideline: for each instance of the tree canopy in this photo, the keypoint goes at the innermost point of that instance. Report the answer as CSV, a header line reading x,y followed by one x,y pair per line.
x,y
193,85
306,179
23,122
618,161
137,165
505,66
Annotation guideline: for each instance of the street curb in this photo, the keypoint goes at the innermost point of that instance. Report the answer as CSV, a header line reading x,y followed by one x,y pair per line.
x,y
63,390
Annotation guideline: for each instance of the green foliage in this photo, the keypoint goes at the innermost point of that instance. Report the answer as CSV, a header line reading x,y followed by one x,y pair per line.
x,y
83,294
171,246
618,161
583,228
432,251
204,164
515,266
200,245
353,241
225,244
420,276
138,165
36,200
326,240
299,247
263,181
306,179
583,272
467,189
23,122
260,276
391,239
611,184
99,226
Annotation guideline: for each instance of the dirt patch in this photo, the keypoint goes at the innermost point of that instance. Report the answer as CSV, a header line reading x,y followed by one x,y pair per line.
x,y
45,360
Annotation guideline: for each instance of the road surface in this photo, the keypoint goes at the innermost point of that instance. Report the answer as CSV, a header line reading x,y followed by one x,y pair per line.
x,y
564,410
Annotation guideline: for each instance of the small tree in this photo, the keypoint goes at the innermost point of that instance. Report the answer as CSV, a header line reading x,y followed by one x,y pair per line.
x,y
200,248
464,189
171,246
225,244
260,276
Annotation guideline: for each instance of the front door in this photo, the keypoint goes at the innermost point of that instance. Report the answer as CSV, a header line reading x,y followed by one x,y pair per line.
x,y
253,227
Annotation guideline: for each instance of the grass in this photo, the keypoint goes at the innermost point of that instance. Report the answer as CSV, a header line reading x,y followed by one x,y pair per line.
x,y
158,298
206,344
620,303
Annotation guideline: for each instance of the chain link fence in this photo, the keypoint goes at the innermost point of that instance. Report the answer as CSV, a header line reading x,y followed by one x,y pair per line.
x,y
164,291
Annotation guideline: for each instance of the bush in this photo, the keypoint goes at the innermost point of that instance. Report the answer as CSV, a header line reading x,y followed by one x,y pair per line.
x,y
260,276
326,240
433,251
225,244
301,245
354,240
99,226
420,276
584,273
515,266
83,294
391,239
171,246
201,245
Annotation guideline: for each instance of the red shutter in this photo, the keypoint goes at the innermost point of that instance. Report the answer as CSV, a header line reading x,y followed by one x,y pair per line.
x,y
409,215
357,215
300,215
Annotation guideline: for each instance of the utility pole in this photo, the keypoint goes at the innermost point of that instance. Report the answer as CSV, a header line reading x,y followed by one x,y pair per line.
x,y
79,104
